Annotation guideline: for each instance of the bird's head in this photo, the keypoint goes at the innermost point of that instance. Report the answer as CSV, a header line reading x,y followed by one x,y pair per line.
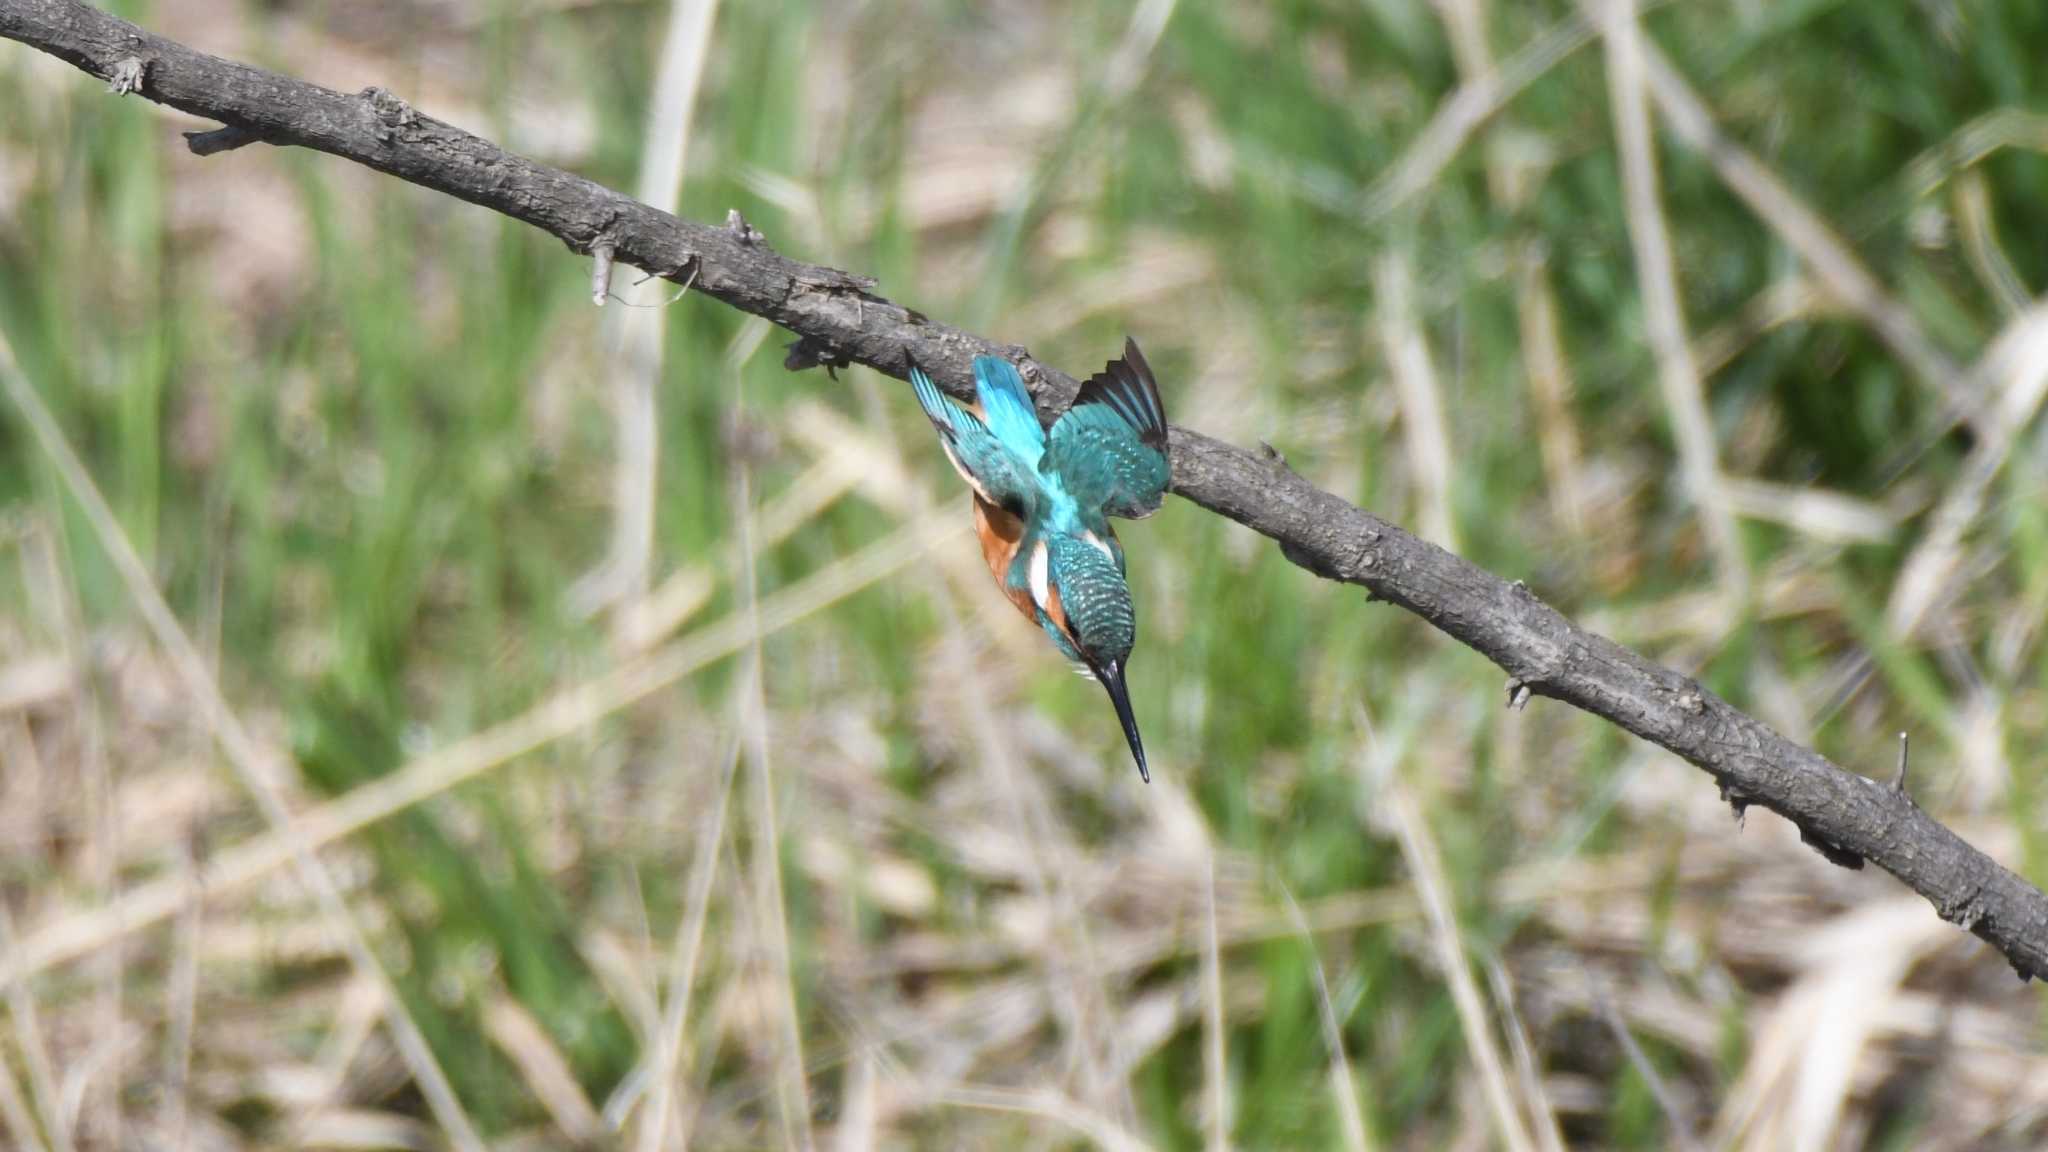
x,y
1078,581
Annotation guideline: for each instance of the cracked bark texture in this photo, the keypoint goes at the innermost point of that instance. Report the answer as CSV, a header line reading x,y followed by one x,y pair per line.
x,y
839,320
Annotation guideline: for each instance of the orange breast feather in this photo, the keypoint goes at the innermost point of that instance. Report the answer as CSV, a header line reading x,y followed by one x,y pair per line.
x,y
1001,534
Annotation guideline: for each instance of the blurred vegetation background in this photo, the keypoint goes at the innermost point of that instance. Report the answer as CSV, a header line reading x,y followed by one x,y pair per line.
x,y
753,807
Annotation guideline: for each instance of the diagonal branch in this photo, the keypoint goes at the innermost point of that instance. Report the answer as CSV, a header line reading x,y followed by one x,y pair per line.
x,y
839,319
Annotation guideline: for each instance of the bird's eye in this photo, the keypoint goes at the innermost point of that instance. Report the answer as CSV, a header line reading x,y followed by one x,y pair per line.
x,y
1014,505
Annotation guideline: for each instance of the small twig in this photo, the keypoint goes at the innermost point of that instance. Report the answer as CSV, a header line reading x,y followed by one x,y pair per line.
x,y
738,226
1518,693
601,273
673,299
126,76
1899,777
226,138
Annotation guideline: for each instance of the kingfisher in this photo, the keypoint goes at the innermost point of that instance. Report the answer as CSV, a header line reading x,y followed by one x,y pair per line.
x,y
1043,499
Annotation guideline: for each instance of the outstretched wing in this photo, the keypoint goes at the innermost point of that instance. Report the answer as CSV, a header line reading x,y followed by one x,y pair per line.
x,y
1007,409
997,474
1109,448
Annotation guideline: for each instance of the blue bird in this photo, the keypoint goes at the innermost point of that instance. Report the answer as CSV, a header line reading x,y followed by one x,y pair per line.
x,y
1042,502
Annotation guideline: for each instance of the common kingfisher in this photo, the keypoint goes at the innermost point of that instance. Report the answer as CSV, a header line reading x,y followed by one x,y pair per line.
x,y
1042,502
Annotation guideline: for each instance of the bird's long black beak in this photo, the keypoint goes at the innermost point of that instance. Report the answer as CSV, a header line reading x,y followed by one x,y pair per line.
x,y
1112,677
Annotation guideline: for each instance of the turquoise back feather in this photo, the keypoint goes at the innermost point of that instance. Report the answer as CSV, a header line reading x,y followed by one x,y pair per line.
x,y
1007,409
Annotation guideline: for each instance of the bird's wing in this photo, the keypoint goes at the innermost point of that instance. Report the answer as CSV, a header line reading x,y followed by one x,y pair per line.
x,y
1007,409
1109,448
996,473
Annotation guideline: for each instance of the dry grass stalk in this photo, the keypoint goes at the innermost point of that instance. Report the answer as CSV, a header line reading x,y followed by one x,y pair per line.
x,y
860,1111
1550,379
1675,1118
1657,283
1048,1104
1343,1087
1215,1074
1805,232
1509,187
251,764
1796,1083
183,1014
35,1053
54,596
656,616
569,711
636,333
544,1069
2014,370
1061,941
1422,411
1528,1077
684,954
1786,301
1476,101
362,1128
1830,517
792,1090
14,1111
1425,866
1980,243
32,682
1975,142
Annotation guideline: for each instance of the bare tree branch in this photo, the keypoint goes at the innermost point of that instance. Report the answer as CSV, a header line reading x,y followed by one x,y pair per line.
x,y
839,319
